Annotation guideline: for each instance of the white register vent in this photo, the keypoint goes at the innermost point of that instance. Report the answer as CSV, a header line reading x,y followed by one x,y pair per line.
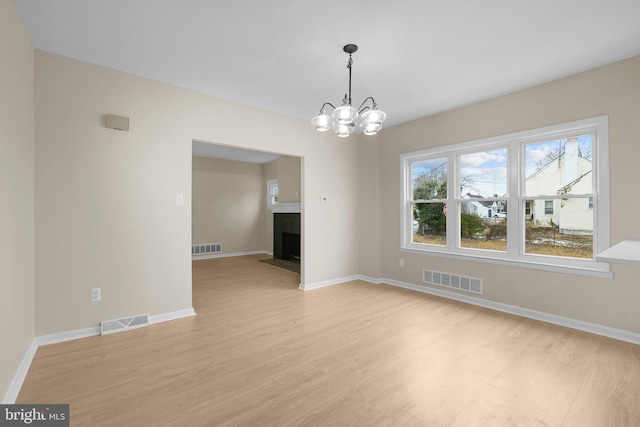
x,y
206,248
454,281
124,324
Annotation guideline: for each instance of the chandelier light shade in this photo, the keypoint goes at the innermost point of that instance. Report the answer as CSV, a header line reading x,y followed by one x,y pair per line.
x,y
345,119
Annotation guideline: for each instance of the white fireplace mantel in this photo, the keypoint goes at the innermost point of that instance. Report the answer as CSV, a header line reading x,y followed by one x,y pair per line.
x,y
286,208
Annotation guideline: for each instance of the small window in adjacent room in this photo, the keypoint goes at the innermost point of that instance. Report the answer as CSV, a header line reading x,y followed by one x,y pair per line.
x,y
272,193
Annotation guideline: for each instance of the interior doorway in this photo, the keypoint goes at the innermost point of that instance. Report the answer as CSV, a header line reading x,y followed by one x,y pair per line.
x,y
232,208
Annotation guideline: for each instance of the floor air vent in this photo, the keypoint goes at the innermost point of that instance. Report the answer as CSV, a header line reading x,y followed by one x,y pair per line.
x,y
448,280
206,248
124,324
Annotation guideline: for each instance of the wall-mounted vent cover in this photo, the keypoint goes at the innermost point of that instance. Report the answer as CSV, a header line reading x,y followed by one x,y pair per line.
x,y
206,248
448,280
124,324
117,122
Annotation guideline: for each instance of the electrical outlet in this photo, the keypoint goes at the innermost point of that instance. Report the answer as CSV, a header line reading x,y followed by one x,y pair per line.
x,y
96,294
401,262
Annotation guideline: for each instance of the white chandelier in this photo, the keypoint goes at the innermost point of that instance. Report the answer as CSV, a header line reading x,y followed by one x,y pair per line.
x,y
344,119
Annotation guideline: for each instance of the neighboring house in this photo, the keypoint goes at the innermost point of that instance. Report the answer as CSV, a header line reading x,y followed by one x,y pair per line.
x,y
568,173
484,208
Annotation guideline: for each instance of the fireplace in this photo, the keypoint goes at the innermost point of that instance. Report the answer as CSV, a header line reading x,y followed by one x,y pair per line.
x,y
286,236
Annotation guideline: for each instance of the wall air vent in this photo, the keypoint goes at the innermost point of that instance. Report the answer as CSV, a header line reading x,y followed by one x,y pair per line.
x,y
454,281
206,249
117,122
125,324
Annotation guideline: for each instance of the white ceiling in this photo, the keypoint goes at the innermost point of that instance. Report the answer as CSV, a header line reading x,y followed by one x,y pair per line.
x,y
416,57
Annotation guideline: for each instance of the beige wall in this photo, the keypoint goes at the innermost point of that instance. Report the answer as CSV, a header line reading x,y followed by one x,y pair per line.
x,y
288,171
289,179
612,90
16,193
105,200
229,201
228,204
370,255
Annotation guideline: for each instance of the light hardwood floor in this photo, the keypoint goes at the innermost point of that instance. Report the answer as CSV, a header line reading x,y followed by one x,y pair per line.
x,y
261,352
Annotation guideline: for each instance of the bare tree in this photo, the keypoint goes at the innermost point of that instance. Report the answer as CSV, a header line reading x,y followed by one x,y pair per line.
x,y
584,151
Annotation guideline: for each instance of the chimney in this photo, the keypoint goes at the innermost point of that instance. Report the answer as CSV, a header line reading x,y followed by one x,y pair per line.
x,y
570,160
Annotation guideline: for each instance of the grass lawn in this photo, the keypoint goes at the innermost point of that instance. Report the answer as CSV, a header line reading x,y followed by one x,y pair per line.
x,y
540,241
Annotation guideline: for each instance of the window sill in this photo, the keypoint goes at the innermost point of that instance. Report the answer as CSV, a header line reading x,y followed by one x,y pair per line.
x,y
625,252
602,271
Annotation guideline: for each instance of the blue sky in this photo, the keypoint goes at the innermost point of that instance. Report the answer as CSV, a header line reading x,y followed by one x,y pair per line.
x,y
484,173
537,152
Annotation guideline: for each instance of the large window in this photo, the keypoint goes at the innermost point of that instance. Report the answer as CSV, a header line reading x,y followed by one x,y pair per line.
x,y
536,198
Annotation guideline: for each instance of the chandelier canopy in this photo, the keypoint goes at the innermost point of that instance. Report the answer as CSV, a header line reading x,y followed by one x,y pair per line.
x,y
344,119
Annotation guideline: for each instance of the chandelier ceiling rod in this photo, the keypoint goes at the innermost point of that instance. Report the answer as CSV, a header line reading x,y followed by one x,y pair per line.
x,y
343,120
350,49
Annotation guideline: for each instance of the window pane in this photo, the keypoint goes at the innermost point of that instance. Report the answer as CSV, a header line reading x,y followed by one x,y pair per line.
x,y
561,166
483,225
566,233
429,224
429,179
483,174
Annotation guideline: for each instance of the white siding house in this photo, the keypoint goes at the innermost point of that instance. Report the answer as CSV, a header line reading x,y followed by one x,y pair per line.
x,y
569,173
483,208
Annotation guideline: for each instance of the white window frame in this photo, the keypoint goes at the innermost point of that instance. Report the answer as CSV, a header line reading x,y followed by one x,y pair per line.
x,y
270,185
515,254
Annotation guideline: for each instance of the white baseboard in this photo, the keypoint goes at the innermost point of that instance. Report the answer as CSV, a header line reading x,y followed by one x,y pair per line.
x,y
16,383
67,336
370,279
211,256
606,331
165,317
93,331
323,284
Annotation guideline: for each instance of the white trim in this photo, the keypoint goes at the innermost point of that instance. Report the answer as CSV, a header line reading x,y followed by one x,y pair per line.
x,y
18,379
624,252
605,331
602,274
210,256
67,336
94,331
370,279
325,283
514,256
286,208
173,315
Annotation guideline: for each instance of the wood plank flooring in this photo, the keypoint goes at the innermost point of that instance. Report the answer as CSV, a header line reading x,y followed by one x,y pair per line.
x,y
261,352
